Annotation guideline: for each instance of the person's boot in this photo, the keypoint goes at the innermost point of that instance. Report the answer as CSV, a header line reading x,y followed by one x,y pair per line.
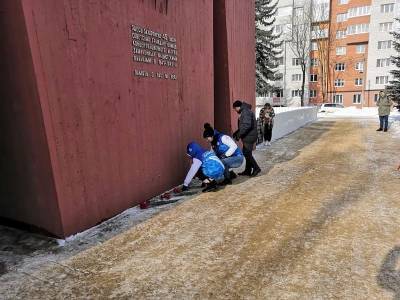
x,y
226,181
245,173
247,170
210,187
385,130
379,129
256,172
232,175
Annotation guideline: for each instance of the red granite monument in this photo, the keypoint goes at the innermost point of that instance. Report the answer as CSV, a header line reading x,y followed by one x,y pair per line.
x,y
99,99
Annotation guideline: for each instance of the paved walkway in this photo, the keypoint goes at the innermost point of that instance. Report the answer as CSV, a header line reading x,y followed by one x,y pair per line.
x,y
322,222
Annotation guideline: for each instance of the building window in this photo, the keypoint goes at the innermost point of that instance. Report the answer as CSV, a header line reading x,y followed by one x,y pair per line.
x,y
357,99
385,27
341,2
340,67
358,29
319,33
382,79
279,93
360,49
339,82
338,99
387,8
296,61
296,93
278,29
384,44
376,97
296,77
358,81
341,17
383,62
313,93
279,61
358,11
314,62
340,34
359,66
313,77
314,46
340,50
298,12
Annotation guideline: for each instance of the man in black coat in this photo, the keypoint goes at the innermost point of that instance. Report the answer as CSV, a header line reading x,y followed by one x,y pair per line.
x,y
247,132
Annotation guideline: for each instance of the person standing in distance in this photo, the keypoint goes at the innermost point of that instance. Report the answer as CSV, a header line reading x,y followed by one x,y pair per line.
x,y
269,123
247,132
384,105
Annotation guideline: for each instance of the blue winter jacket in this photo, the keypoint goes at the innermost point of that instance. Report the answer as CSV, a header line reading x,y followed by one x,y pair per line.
x,y
211,165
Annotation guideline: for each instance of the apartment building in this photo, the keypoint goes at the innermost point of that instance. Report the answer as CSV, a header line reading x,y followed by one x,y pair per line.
x,y
360,46
350,49
288,70
383,13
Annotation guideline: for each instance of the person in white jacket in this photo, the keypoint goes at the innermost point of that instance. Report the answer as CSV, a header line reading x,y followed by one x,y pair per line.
x,y
226,149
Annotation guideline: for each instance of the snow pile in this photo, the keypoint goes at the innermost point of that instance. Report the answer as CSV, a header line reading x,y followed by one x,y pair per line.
x,y
395,124
367,112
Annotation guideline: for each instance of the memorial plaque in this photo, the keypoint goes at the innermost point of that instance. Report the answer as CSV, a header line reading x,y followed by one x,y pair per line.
x,y
156,49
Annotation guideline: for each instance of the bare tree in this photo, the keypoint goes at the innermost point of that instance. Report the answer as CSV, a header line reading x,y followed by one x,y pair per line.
x,y
300,40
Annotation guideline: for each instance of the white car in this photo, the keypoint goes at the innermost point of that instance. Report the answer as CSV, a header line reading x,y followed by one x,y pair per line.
x,y
330,107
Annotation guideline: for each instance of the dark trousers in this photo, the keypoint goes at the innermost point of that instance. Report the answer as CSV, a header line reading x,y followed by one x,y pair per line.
x,y
251,163
268,132
384,122
200,175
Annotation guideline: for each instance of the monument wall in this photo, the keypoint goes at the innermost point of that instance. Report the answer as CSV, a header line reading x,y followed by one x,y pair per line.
x,y
99,99
234,58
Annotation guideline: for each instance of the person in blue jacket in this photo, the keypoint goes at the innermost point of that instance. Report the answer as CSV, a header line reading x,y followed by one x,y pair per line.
x,y
226,149
205,165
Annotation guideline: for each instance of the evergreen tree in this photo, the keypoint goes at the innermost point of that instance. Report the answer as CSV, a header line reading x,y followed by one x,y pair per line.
x,y
393,88
267,45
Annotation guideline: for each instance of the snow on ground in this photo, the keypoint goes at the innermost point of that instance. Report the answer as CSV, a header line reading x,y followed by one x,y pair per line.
x,y
351,111
354,112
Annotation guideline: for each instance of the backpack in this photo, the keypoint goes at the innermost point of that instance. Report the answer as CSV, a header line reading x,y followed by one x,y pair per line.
x,y
212,166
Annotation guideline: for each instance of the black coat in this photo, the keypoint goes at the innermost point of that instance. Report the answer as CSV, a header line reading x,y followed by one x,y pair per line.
x,y
247,125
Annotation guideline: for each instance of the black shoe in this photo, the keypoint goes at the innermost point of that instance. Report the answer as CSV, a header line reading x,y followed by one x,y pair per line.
x,y
232,175
245,173
210,187
385,130
380,129
226,181
255,172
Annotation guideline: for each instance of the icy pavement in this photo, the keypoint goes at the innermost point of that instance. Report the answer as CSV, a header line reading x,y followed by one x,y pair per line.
x,y
321,222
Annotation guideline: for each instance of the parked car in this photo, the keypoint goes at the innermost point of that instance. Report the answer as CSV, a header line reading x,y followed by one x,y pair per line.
x,y
330,107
